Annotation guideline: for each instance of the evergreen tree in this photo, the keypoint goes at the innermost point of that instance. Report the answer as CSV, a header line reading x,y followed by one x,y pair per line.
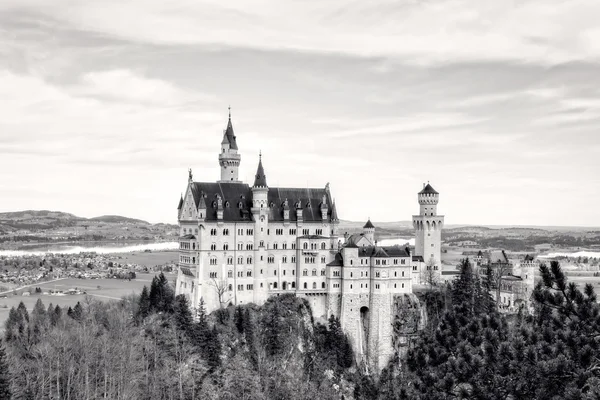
x,y
238,318
55,316
183,314
4,375
144,304
162,297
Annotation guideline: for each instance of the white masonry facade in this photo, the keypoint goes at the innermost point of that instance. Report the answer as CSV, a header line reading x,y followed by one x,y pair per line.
x,y
241,244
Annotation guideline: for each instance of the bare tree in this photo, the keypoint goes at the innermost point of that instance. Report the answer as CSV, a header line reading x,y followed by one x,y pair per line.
x,y
222,289
430,276
497,272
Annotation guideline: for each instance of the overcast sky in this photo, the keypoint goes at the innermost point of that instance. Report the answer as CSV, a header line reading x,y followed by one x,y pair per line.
x,y
105,104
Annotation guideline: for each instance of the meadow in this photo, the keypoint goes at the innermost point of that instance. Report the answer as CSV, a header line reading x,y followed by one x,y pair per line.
x,y
100,289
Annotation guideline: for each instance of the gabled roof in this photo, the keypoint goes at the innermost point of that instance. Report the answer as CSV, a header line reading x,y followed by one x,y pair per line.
x,y
384,252
418,258
234,193
260,180
428,189
338,261
229,136
498,256
369,225
334,216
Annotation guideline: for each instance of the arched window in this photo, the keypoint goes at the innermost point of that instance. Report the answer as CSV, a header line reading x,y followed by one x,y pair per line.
x,y
314,285
305,272
230,274
274,285
213,246
314,272
193,260
323,285
323,272
225,246
305,285
293,285
305,246
193,246
249,260
323,246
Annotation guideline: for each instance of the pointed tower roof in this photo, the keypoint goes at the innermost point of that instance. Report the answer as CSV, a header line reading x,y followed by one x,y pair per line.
x,y
260,180
369,225
180,202
428,189
229,136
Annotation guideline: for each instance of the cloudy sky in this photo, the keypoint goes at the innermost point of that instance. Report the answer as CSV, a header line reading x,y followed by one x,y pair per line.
x,y
105,104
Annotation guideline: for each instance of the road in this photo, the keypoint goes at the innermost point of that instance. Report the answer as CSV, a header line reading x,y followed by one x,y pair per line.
x,y
33,284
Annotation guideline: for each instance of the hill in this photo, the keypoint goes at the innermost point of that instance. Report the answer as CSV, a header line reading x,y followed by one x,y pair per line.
x,y
117,219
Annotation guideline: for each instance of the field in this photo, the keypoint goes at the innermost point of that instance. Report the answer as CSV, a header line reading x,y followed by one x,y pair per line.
x,y
101,289
149,259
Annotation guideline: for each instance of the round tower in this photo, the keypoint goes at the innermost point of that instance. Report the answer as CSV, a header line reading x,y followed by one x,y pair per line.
x,y
229,159
428,230
260,215
369,231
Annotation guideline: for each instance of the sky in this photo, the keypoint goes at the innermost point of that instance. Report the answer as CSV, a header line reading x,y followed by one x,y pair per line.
x,y
104,105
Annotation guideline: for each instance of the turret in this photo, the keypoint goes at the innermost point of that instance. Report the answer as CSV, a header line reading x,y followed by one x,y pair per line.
x,y
324,208
428,200
260,192
369,231
229,159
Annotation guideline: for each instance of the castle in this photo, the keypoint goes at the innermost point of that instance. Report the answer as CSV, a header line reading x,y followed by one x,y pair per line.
x,y
241,244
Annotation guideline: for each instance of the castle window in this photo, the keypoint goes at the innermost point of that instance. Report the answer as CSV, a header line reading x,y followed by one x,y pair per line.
x,y
394,286
403,286
293,245
306,232
313,246
213,275
240,287
193,246
213,232
240,205
351,262
249,260
350,274
230,274
268,231
230,288
227,203
193,260
292,231
249,273
323,272
240,260
377,274
294,259
274,246
270,259
377,286
305,272
351,288
240,246
323,246
305,285
284,246
314,272
225,246
284,259
213,261
262,243
336,273
403,261
323,259
319,232
402,273
305,246
274,285
225,232
314,285
293,272
322,285
213,246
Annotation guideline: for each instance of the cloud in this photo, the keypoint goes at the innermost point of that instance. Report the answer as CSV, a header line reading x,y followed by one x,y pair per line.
x,y
538,31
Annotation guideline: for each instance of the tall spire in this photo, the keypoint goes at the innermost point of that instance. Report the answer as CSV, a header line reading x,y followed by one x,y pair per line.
x,y
228,135
260,180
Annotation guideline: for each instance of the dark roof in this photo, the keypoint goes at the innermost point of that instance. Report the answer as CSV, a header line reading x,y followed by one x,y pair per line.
x,y
180,203
313,237
232,194
384,252
334,216
260,180
187,271
418,258
428,189
188,237
338,261
529,258
369,224
229,136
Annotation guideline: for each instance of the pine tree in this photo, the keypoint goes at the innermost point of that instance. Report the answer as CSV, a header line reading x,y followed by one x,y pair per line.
x,y
238,318
183,314
56,315
4,375
144,304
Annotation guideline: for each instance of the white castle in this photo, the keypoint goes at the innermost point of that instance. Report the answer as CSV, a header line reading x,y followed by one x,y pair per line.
x,y
241,244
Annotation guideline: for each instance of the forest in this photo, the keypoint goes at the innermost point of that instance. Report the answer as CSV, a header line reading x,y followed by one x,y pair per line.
x,y
151,347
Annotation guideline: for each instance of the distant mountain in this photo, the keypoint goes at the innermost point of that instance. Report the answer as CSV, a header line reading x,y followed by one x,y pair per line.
x,y
37,219
117,219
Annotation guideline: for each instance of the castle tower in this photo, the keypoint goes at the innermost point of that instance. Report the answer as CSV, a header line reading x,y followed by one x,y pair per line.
x,y
229,159
260,215
428,229
369,231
